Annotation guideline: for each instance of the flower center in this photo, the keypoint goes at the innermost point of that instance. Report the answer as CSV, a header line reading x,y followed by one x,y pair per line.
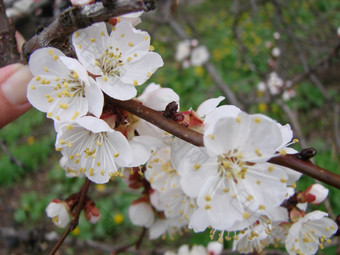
x,y
72,87
110,63
232,166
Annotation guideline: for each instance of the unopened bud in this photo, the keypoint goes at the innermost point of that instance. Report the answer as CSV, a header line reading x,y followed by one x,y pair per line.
x,y
314,194
215,248
276,35
276,52
141,213
59,212
92,212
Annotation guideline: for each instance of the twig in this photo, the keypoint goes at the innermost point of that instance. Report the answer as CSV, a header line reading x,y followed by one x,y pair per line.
x,y
127,247
300,51
336,126
75,18
12,159
223,87
8,45
75,220
140,239
292,160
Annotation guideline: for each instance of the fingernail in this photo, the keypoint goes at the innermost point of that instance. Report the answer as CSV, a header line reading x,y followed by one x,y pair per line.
x,y
15,87
7,71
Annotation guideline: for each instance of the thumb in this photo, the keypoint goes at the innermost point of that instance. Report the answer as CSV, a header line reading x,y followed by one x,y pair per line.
x,y
13,85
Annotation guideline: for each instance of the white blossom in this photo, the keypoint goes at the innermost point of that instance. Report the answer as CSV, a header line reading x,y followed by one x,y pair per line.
x,y
199,55
93,148
165,180
231,175
215,248
185,250
59,212
307,234
276,52
183,50
61,86
276,35
259,235
121,60
141,214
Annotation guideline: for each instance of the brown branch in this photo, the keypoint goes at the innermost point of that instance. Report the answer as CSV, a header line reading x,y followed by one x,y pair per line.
x,y
74,18
8,45
292,160
158,120
305,167
76,214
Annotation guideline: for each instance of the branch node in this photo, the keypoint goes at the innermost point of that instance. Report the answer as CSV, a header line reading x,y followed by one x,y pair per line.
x,y
307,154
171,111
109,3
39,29
150,5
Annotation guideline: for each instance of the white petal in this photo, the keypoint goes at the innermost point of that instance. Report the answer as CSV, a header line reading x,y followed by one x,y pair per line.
x,y
44,62
129,40
93,124
147,91
117,89
199,220
95,98
160,98
208,106
90,44
141,70
221,112
157,229
141,153
141,214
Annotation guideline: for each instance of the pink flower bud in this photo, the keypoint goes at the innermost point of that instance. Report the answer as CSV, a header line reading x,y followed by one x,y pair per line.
x,y
215,248
315,194
92,212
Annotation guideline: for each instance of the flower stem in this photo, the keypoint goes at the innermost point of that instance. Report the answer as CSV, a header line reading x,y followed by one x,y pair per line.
x,y
76,214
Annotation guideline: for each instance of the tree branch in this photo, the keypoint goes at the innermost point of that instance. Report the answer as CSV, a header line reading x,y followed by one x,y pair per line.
x,y
74,18
292,160
75,220
8,45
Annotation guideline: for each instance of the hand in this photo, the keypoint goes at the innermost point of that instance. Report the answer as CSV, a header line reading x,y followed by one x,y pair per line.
x,y
13,83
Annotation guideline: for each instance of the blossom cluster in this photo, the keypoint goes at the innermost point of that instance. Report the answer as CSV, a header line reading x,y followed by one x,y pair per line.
x,y
228,185
189,53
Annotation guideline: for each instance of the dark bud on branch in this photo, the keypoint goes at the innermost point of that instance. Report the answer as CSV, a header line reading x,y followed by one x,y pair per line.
x,y
150,4
109,3
307,154
171,111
